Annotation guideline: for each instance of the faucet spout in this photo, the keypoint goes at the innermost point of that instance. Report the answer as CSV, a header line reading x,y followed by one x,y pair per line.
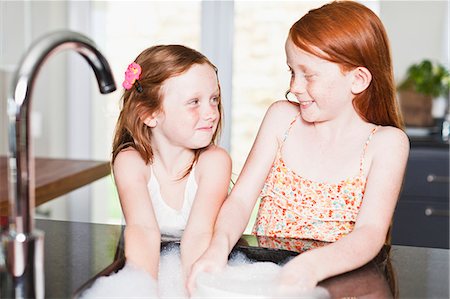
x,y
22,246
21,162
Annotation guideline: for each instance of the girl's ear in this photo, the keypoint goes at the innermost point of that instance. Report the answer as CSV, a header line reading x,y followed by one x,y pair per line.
x,y
361,79
150,120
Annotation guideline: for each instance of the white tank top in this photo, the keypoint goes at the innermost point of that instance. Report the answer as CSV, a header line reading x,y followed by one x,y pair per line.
x,y
172,222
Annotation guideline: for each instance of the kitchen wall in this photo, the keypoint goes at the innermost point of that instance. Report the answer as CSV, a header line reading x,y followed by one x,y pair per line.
x,y
22,23
417,30
3,122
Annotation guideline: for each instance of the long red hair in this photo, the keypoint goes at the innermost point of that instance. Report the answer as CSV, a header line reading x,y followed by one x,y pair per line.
x,y
352,35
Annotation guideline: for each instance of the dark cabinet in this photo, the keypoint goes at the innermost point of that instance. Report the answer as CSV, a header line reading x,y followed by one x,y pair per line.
x,y
422,214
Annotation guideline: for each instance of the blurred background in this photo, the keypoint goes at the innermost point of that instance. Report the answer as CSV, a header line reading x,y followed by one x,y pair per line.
x,y
245,39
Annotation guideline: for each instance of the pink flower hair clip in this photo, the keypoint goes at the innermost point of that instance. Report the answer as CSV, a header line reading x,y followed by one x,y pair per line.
x,y
132,75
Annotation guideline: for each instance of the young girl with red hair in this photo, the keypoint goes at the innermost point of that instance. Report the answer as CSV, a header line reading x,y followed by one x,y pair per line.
x,y
328,165
170,175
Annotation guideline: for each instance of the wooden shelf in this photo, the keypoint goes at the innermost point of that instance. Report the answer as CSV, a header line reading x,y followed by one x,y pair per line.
x,y
55,177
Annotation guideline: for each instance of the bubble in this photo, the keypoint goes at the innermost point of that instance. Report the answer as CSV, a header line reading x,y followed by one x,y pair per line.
x,y
170,280
126,283
241,278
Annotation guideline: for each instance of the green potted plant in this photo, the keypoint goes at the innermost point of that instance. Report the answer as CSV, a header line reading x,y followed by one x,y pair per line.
x,y
423,82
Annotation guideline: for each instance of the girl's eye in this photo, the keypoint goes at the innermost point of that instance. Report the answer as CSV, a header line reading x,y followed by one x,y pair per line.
x,y
307,76
193,102
215,100
303,75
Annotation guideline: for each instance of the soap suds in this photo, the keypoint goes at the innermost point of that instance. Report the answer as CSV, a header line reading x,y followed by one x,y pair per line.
x,y
241,278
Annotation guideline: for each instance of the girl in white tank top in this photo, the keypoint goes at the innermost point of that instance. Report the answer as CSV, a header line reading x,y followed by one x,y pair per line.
x,y
171,177
171,221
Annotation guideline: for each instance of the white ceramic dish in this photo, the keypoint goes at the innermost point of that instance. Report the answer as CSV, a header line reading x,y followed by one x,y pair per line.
x,y
256,280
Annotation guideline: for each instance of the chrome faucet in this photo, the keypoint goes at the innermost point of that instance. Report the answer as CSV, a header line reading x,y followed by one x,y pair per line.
x,y
22,246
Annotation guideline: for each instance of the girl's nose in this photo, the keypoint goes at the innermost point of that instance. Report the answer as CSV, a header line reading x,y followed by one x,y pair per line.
x,y
210,112
298,85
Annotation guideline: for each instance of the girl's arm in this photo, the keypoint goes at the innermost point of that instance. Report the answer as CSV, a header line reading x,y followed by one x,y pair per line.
x,y
213,171
390,148
142,236
235,212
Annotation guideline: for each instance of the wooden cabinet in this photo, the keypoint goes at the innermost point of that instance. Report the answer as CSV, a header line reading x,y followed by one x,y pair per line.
x,y
422,214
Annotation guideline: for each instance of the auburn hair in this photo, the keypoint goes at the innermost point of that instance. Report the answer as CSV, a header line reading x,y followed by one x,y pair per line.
x,y
158,63
351,35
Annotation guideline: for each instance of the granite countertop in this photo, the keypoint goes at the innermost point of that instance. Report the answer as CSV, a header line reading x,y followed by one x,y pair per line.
x,y
76,252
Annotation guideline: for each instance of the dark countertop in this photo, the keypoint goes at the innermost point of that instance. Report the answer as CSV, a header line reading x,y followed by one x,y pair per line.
x,y
428,142
76,252
429,137
431,140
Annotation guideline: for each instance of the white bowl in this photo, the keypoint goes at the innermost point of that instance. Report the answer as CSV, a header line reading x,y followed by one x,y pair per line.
x,y
255,280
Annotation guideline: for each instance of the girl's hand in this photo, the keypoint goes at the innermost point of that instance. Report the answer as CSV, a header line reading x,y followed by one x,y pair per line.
x,y
210,261
296,277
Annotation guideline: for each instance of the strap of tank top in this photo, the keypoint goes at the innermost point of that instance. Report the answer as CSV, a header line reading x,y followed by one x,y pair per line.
x,y
288,130
361,164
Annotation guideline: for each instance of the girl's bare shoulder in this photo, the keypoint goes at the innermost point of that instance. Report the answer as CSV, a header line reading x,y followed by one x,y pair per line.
x,y
129,162
279,115
213,155
391,139
128,155
283,109
213,164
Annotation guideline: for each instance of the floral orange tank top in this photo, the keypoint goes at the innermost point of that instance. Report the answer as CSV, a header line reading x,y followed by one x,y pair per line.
x,y
295,207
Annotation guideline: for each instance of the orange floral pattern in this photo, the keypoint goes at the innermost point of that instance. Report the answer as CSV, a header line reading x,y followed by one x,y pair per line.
x,y
295,207
297,245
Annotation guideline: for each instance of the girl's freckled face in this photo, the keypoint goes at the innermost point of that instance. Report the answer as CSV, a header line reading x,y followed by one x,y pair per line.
x,y
191,107
320,86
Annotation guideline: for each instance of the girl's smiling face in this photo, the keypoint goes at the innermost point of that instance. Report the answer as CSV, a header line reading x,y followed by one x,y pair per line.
x,y
320,86
190,107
